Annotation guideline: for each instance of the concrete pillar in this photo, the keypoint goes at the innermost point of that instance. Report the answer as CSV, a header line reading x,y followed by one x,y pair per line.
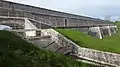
x,y
29,25
115,29
8,14
96,30
109,30
99,32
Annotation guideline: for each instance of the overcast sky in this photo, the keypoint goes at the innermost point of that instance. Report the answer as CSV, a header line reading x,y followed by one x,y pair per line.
x,y
92,8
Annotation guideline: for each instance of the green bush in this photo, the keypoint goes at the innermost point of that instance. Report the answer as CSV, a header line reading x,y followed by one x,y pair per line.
x,y
15,52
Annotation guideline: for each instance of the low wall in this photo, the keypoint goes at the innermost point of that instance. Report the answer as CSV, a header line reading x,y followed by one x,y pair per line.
x,y
111,59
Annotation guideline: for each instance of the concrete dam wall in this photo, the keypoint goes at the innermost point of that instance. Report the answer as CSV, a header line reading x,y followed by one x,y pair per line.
x,y
57,42
60,44
54,18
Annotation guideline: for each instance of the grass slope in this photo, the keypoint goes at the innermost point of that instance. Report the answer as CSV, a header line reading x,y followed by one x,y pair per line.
x,y
15,52
109,43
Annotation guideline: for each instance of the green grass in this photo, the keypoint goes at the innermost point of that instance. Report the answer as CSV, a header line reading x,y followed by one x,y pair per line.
x,y
15,52
109,43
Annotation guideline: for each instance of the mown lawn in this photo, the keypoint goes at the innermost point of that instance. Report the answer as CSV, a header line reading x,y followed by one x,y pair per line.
x,y
109,43
15,52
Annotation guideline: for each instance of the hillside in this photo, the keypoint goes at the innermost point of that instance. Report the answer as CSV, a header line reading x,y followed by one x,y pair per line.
x,y
15,52
109,43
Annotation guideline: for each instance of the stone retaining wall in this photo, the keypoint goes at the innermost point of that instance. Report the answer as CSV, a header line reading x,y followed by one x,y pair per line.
x,y
102,57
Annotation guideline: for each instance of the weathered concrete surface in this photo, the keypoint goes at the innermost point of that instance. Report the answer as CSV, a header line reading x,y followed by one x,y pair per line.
x,y
29,25
55,18
107,58
95,31
64,45
100,32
